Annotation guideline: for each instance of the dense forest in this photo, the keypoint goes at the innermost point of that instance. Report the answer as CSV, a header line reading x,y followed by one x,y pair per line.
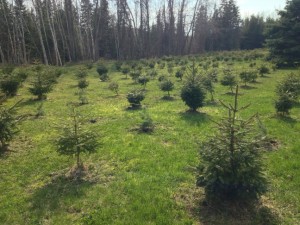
x,y
60,31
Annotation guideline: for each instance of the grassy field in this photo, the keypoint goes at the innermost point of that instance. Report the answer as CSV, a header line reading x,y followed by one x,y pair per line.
x,y
137,178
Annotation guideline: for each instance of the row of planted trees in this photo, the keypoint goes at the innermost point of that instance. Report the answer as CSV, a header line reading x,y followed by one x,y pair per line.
x,y
231,165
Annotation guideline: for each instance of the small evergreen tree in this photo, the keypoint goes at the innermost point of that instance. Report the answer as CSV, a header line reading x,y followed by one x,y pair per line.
x,y
103,72
8,124
20,75
101,69
76,140
143,80
114,86
166,86
179,74
263,69
82,84
40,87
212,75
192,92
231,167
135,76
247,76
118,65
152,74
147,124
135,97
207,82
229,80
125,70
290,86
284,104
81,73
288,91
10,86
8,69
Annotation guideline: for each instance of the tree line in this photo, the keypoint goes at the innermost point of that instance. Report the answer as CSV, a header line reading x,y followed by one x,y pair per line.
x,y
61,31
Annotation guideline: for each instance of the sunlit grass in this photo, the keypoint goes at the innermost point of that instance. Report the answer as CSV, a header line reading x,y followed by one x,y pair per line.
x,y
137,178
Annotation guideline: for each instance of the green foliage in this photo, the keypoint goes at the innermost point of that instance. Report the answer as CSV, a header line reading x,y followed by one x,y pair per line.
x,y
118,66
147,124
170,68
161,78
193,94
230,166
253,32
229,80
263,69
82,83
57,72
162,65
212,75
179,74
21,75
152,65
207,82
143,80
8,124
40,86
75,140
88,65
8,69
50,75
81,73
114,87
166,86
284,42
289,86
82,97
104,77
284,104
125,70
10,86
135,76
40,110
248,76
152,74
288,91
135,97
143,159
101,70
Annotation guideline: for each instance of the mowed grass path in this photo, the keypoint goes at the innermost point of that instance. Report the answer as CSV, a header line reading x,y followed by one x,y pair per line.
x,y
136,178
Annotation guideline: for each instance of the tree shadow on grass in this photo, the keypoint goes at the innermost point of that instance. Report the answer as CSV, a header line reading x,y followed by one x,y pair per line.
x,y
194,117
52,196
232,94
116,96
247,87
254,214
214,103
287,119
297,104
30,102
168,98
258,213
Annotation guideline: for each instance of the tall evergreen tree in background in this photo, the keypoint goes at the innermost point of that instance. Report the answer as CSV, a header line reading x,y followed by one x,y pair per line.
x,y
253,32
228,24
284,36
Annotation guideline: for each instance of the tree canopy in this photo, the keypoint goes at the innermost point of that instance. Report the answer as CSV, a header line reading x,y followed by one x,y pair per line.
x,y
284,41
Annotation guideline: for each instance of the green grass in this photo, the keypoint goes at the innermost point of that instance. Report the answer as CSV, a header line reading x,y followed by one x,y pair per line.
x,y
140,178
